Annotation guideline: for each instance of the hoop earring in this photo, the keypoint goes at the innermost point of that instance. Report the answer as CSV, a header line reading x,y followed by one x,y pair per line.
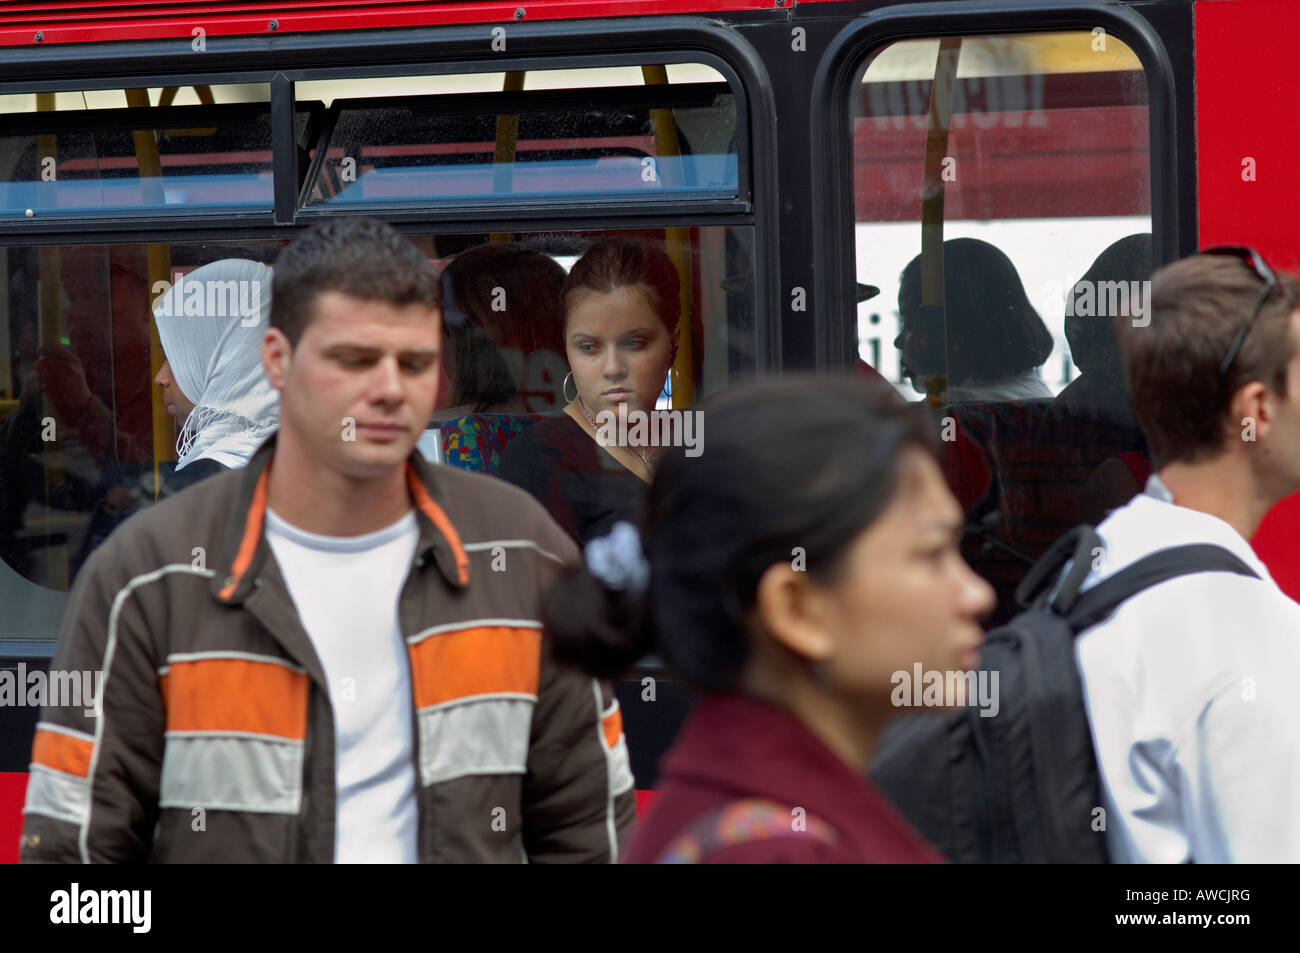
x,y
564,388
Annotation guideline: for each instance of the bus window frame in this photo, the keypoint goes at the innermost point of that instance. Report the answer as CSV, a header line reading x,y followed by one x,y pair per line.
x,y
429,52
837,74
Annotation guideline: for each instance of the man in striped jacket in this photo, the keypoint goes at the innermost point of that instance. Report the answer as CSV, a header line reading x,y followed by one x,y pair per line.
x,y
332,654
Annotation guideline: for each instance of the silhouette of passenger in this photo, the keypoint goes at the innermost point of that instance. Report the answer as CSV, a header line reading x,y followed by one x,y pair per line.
x,y
995,340
1099,392
1092,421
211,323
503,314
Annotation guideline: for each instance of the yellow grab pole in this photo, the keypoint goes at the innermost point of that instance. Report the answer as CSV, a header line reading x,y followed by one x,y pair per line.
x,y
936,149
51,318
503,157
159,258
664,126
932,202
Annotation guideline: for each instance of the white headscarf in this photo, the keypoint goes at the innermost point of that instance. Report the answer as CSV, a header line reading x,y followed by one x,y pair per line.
x,y
211,323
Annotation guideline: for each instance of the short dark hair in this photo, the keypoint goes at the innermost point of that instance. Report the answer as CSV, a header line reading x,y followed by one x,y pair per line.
x,y
1092,337
529,317
614,263
359,257
714,523
1197,307
992,330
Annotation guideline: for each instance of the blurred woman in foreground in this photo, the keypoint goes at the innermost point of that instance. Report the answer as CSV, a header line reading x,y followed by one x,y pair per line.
x,y
788,587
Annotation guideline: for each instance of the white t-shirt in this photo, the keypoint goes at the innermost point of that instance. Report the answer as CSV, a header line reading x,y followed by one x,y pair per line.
x,y
1190,690
346,591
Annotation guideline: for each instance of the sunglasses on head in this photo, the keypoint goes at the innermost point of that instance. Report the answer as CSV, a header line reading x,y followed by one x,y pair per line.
x,y
1265,274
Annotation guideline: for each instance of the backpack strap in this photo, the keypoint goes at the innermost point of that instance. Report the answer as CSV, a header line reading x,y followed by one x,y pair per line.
x,y
741,822
1098,603
1045,583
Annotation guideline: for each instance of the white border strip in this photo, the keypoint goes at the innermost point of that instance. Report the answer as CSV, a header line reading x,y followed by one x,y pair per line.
x,y
249,735
110,647
510,544
474,624
60,730
244,656
610,827
485,697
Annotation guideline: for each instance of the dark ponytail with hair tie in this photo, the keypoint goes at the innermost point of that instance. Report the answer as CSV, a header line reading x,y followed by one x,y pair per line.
x,y
595,627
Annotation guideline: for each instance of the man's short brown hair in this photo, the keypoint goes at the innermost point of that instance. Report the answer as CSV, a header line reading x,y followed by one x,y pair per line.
x,y
1197,306
359,257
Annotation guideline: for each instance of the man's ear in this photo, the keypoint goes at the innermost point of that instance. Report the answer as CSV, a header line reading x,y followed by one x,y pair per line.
x,y
277,357
1252,412
795,612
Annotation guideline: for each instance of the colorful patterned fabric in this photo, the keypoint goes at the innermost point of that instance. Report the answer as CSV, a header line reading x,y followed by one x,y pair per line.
x,y
741,822
477,441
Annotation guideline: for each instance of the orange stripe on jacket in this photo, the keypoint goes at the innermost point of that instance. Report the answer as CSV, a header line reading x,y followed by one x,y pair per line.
x,y
252,532
440,520
236,695
485,660
53,749
612,725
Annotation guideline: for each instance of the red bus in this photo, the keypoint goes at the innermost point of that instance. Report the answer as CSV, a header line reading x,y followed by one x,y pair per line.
x,y
793,155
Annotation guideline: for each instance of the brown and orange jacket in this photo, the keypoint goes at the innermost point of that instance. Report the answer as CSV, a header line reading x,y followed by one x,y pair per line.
x,y
212,738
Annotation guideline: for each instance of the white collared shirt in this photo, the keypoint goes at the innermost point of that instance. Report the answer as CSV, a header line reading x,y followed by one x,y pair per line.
x,y
1191,694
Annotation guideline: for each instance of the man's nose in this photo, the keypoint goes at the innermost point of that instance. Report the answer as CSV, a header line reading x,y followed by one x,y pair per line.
x,y
387,385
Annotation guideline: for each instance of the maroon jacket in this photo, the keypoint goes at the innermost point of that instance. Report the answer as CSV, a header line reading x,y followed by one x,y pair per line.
x,y
736,747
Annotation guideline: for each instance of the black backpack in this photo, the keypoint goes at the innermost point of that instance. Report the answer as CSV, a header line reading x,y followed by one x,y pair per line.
x,y
1022,786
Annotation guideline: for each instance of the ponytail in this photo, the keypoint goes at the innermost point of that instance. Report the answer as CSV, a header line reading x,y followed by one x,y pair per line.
x,y
598,615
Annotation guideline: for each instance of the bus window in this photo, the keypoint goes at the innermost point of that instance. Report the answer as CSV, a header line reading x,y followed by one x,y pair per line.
x,y
77,418
567,135
1002,208
81,447
77,154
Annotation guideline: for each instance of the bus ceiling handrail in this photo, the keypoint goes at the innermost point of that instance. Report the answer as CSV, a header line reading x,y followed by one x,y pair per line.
x,y
933,298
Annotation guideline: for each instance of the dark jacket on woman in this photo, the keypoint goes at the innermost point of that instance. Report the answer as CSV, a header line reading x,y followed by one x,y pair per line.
x,y
812,807
580,483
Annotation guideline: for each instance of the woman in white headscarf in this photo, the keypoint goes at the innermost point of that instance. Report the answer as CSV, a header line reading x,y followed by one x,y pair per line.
x,y
211,323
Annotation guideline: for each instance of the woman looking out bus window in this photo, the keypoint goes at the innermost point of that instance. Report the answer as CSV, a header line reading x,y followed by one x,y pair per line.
x,y
211,323
788,588
621,302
